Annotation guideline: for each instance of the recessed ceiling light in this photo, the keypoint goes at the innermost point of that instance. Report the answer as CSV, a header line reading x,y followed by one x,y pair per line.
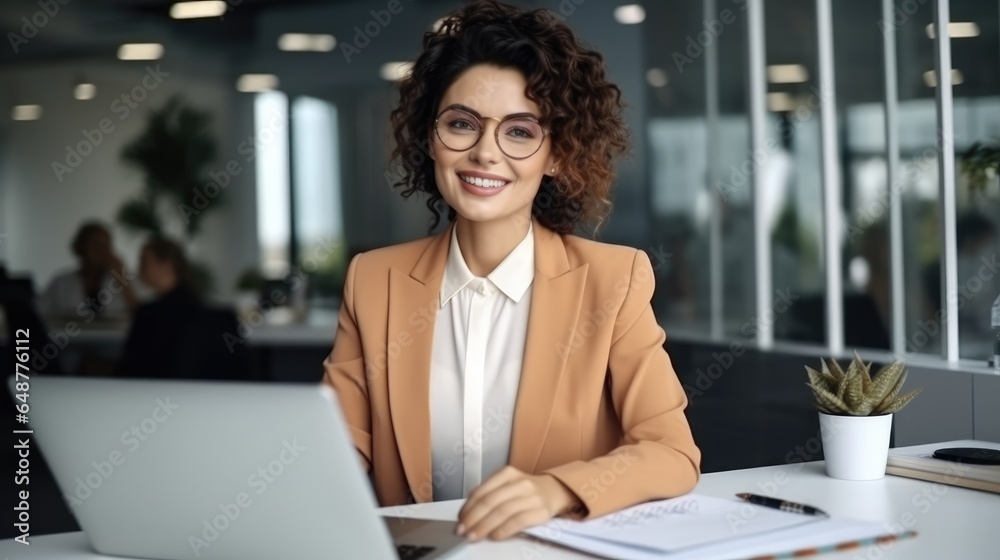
x,y
252,83
780,101
84,91
191,10
26,112
656,77
307,42
393,71
787,73
140,51
957,29
930,77
630,14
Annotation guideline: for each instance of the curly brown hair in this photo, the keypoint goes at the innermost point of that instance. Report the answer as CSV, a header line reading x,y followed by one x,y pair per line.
x,y
579,106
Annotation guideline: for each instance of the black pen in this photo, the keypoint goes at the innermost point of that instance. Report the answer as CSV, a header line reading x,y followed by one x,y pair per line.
x,y
781,504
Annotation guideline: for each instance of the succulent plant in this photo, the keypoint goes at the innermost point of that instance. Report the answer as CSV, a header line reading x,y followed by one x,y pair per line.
x,y
856,392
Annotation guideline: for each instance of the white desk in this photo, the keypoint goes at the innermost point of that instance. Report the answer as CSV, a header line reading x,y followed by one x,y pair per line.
x,y
951,522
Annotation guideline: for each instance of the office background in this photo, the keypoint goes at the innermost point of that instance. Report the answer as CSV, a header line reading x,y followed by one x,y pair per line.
x,y
796,177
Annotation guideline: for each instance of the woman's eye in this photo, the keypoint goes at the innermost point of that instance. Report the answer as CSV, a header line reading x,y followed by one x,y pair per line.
x,y
518,132
463,125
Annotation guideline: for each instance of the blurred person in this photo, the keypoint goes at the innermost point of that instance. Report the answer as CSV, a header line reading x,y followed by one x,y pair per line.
x,y
159,326
978,286
978,281
99,288
508,124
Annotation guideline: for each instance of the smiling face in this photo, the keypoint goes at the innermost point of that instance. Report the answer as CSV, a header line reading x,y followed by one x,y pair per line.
x,y
483,184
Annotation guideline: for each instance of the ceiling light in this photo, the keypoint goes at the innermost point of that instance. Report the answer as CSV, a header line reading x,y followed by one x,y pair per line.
x,y
957,29
656,77
306,42
84,91
630,14
780,101
140,51
191,10
930,77
787,73
252,83
26,112
394,71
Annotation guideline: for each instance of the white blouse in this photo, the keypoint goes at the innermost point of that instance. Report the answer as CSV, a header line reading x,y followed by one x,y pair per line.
x,y
478,348
65,297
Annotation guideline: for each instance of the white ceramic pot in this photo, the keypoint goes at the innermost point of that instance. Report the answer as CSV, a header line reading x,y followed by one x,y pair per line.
x,y
855,447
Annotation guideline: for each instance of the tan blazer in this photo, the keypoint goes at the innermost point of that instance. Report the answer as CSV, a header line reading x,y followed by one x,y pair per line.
x,y
598,406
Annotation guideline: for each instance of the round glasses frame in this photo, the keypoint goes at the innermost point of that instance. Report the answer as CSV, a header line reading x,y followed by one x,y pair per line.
x,y
482,130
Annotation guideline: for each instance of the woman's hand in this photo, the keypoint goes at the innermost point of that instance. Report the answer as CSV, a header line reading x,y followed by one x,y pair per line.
x,y
510,501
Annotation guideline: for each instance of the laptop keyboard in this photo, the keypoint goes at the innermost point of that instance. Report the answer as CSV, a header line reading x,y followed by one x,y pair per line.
x,y
410,552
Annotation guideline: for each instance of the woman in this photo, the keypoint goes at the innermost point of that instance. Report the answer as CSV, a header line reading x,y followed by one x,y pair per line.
x,y
506,360
100,287
159,327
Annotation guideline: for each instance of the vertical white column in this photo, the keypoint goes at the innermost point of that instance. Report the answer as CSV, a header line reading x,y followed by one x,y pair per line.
x,y
897,287
946,179
715,262
758,139
833,220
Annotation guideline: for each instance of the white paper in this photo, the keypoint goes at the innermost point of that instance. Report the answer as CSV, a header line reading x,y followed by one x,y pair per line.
x,y
700,527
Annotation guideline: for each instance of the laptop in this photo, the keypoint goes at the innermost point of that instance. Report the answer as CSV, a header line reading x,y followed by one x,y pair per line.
x,y
201,470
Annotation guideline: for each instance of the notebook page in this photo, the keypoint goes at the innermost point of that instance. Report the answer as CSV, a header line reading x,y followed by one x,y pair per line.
x,y
684,522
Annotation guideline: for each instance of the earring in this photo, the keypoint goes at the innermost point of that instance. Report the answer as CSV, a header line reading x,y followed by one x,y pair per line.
x,y
553,170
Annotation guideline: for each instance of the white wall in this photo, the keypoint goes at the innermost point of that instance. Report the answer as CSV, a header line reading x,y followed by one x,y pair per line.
x,y
40,213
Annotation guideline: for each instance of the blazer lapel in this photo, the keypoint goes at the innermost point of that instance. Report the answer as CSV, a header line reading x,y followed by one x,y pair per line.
x,y
557,293
414,298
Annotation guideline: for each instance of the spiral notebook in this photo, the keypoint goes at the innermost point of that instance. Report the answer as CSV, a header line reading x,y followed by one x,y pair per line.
x,y
695,527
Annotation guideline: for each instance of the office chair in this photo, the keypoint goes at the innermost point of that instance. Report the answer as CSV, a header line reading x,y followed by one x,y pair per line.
x,y
17,298
203,352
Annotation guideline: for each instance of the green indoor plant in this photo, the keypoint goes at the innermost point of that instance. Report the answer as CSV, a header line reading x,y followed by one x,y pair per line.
x,y
981,164
174,153
855,415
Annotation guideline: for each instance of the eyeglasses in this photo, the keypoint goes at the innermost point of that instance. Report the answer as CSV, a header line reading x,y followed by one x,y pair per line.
x,y
519,136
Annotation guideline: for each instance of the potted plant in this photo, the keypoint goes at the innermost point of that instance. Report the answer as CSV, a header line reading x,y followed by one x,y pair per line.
x,y
855,415
174,154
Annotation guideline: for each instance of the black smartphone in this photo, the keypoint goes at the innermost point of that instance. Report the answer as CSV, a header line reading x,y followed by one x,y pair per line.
x,y
970,455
